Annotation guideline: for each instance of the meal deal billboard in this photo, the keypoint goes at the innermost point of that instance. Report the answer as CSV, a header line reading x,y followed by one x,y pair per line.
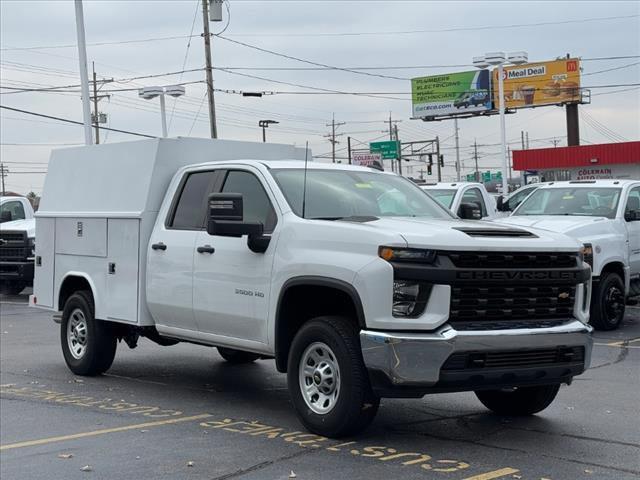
x,y
545,83
455,93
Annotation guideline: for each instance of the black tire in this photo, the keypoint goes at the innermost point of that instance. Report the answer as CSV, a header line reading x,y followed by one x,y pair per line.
x,y
520,401
100,341
607,302
12,288
355,404
237,356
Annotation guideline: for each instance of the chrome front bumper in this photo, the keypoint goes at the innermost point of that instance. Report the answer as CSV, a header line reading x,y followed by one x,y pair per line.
x,y
416,359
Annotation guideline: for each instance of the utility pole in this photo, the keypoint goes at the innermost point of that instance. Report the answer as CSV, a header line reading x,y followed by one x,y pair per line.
x,y
555,142
207,54
84,78
398,150
522,138
475,156
349,148
455,126
527,139
332,136
3,173
96,98
509,164
438,159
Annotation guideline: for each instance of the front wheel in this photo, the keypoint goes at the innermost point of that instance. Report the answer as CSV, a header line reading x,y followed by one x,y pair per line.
x,y
520,401
88,345
327,379
608,302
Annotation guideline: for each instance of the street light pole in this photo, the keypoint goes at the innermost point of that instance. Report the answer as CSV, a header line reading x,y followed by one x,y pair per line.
x,y
503,131
265,124
163,114
84,77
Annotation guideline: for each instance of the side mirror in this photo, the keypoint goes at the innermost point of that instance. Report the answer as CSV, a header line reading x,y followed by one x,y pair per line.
x,y
469,211
226,220
632,215
501,205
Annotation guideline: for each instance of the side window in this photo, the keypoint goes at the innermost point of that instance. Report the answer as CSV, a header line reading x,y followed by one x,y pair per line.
x,y
473,195
519,197
633,202
189,212
11,211
256,203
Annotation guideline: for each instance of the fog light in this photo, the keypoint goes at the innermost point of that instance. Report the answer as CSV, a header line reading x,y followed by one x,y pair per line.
x,y
410,298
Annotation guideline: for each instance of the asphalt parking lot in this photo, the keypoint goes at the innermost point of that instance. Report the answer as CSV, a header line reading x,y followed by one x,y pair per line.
x,y
182,412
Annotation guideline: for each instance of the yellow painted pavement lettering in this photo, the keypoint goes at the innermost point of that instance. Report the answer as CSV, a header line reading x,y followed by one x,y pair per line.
x,y
372,452
167,413
313,439
421,458
503,472
75,436
456,466
335,448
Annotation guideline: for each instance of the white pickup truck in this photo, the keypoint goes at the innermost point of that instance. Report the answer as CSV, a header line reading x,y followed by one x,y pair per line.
x,y
604,215
355,281
17,244
459,197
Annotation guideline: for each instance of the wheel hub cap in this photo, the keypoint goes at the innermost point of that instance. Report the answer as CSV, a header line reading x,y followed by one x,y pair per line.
x,y
77,334
319,376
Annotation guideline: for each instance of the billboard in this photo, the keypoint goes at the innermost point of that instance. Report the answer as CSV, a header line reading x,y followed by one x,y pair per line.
x,y
450,94
366,159
544,83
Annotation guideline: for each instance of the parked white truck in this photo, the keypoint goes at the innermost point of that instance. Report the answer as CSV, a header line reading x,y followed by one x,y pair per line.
x,y
355,281
460,197
17,244
604,215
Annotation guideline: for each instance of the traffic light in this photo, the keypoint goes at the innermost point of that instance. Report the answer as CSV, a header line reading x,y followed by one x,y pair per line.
x,y
441,160
429,169
430,160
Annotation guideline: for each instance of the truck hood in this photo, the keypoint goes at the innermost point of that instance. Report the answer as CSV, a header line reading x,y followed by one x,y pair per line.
x,y
28,225
574,226
472,235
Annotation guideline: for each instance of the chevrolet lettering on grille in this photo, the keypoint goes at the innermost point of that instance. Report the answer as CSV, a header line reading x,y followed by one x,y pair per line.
x,y
515,275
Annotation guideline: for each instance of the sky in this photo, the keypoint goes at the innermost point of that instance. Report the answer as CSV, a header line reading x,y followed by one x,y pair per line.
x,y
128,39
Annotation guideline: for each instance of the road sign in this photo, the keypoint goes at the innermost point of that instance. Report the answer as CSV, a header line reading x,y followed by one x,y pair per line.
x,y
388,149
486,176
365,159
471,177
496,176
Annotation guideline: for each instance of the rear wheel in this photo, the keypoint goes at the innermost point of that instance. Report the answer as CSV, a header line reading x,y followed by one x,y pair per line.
x,y
12,288
608,302
519,401
327,379
88,345
237,356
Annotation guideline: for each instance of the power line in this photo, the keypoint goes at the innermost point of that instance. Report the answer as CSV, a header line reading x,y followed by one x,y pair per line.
x,y
27,112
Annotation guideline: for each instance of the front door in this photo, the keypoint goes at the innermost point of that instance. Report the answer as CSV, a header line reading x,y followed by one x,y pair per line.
x,y
171,253
231,283
633,230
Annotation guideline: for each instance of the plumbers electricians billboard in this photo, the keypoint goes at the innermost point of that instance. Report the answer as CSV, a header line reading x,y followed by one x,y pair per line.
x,y
450,94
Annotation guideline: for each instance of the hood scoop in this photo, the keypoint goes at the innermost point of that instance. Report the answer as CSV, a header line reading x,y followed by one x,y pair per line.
x,y
495,232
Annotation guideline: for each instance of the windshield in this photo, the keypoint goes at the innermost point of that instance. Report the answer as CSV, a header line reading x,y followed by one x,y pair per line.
x,y
337,194
445,197
593,202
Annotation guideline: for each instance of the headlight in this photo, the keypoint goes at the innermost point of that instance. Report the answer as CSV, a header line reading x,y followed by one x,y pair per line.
x,y
393,254
32,245
587,254
410,298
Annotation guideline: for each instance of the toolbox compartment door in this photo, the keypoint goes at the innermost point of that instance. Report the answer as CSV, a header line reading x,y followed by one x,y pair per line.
x,y
45,261
122,292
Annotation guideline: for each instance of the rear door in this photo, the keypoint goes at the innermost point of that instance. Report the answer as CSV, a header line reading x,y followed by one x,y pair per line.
x,y
171,253
633,231
232,284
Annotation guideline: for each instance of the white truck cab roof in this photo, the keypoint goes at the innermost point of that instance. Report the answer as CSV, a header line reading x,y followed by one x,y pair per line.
x,y
453,194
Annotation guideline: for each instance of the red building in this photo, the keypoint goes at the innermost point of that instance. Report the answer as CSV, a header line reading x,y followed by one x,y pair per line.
x,y
584,162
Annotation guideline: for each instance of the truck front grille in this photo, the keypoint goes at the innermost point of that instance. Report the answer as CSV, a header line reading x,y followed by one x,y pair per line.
x,y
510,260
495,303
14,246
514,358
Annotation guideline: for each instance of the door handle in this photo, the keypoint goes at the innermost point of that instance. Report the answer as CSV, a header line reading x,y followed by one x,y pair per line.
x,y
159,246
206,249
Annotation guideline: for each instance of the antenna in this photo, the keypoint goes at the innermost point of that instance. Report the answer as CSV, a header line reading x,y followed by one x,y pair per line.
x,y
304,185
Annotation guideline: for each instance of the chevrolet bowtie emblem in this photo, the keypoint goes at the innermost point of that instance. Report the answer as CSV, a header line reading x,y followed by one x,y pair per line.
x,y
563,295
2,242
